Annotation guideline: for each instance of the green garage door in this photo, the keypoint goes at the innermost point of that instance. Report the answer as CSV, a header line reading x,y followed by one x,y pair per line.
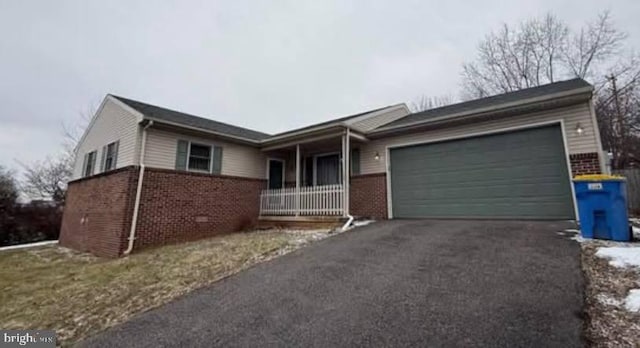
x,y
520,174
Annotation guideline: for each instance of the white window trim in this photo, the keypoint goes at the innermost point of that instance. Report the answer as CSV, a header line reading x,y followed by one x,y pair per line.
x,y
211,154
284,169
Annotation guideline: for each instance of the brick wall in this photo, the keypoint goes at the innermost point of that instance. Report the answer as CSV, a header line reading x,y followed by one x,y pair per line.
x,y
182,206
368,195
174,207
97,212
584,163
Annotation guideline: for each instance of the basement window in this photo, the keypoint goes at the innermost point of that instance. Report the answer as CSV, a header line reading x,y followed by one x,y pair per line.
x,y
199,158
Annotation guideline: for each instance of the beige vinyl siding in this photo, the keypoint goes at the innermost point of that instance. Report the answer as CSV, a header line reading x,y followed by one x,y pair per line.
x,y
375,121
237,160
112,123
572,115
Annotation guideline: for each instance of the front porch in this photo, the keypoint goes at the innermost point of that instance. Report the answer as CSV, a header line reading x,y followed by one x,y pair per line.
x,y
323,200
309,178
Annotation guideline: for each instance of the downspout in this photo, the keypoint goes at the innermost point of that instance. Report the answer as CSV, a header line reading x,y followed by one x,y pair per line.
x,y
136,205
347,176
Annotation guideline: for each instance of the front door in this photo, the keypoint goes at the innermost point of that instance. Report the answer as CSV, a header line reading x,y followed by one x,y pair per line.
x,y
276,174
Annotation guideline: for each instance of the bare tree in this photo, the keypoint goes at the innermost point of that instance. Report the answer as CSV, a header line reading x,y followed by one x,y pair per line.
x,y
618,109
539,51
8,189
425,102
48,179
595,43
72,132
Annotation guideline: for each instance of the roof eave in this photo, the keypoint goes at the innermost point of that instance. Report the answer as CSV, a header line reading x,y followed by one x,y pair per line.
x,y
481,111
347,123
208,131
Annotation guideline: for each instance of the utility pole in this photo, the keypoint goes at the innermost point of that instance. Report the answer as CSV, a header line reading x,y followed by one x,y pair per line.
x,y
620,122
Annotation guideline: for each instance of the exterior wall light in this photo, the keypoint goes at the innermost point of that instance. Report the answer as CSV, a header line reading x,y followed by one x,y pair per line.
x,y
579,129
377,157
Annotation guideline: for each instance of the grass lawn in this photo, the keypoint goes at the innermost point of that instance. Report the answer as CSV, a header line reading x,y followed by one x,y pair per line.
x,y
78,294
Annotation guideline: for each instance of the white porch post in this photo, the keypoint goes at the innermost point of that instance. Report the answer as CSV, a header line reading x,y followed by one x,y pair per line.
x,y
297,179
345,171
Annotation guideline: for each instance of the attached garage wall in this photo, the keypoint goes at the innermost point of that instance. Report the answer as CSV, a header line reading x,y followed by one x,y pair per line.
x,y
518,174
572,115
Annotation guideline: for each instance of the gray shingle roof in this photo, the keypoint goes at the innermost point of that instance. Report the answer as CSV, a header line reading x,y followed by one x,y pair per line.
x,y
335,121
173,116
495,100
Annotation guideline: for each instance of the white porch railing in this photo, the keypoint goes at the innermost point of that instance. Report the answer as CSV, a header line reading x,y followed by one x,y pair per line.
x,y
314,200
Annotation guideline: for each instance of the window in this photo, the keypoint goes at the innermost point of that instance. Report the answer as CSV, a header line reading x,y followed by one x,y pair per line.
x,y
328,169
199,158
110,156
89,163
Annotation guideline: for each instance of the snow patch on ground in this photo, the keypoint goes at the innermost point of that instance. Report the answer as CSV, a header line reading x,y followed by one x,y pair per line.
x,y
608,300
307,236
362,223
636,232
576,235
632,302
620,256
30,245
578,238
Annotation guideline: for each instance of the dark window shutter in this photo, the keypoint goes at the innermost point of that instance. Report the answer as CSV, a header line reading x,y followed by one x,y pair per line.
x,y
181,155
216,168
355,162
103,159
115,155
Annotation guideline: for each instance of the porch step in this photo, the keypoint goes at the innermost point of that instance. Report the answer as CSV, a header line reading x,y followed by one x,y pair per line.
x,y
301,222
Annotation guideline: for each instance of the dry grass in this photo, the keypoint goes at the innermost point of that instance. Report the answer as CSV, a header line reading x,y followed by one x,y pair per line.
x,y
608,324
78,295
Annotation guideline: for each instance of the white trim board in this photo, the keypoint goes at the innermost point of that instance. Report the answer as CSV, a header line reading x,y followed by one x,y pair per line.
x,y
477,134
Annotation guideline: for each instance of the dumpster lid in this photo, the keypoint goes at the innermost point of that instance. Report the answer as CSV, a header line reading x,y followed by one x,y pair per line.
x,y
599,177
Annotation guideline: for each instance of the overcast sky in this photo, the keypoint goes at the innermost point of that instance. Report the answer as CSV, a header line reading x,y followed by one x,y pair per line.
x,y
266,65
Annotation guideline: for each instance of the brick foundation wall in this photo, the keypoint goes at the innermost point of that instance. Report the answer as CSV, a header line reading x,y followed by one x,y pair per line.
x,y
97,212
584,163
183,206
368,196
174,207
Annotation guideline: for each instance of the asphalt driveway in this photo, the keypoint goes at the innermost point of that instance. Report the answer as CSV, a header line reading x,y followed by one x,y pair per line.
x,y
394,283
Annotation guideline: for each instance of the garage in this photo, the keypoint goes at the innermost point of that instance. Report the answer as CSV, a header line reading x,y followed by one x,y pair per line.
x,y
519,174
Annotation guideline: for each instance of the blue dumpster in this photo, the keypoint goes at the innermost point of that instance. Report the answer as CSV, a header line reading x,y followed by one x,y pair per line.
x,y
602,207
